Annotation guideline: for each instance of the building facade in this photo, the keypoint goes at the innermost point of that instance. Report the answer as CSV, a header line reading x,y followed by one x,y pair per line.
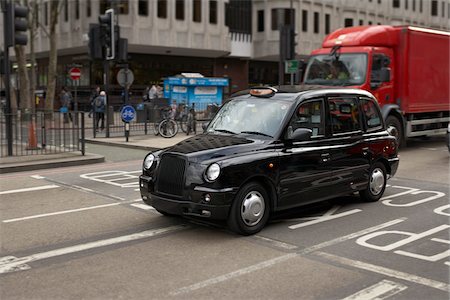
x,y
238,39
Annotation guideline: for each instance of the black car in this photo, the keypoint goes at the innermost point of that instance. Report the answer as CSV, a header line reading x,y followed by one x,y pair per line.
x,y
268,150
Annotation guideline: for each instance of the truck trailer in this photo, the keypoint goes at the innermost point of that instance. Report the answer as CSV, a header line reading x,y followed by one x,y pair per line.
x,y
406,68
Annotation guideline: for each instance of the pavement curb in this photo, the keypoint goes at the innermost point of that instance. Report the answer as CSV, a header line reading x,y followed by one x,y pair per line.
x,y
52,163
121,145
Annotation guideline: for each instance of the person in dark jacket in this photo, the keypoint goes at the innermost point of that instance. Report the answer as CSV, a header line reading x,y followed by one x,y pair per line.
x,y
99,110
95,94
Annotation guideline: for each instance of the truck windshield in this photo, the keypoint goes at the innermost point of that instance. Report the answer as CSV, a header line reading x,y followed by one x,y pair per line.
x,y
347,69
256,116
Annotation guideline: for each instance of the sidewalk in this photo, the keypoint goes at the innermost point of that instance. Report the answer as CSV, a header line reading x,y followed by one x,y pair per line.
x,y
35,162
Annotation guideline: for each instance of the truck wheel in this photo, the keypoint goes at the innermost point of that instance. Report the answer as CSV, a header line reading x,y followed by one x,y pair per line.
x,y
250,210
377,184
395,128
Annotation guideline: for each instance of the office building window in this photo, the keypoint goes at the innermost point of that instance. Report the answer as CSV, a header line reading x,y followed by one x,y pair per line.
x,y
316,22
77,9
260,20
45,13
179,9
88,8
143,7
123,7
327,23
414,5
361,22
162,9
197,11
213,11
443,9
66,10
370,23
448,11
396,3
421,5
348,22
406,4
304,20
434,8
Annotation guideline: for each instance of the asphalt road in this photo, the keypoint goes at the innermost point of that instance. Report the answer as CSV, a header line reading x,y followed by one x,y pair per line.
x,y
82,232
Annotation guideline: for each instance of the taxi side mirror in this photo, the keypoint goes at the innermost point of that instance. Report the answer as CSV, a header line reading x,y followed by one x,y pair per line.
x,y
299,135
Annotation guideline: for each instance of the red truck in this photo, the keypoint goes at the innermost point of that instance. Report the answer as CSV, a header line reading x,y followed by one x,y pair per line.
x,y
406,68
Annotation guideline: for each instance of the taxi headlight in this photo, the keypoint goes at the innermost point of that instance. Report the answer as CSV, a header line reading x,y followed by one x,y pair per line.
x,y
148,161
212,172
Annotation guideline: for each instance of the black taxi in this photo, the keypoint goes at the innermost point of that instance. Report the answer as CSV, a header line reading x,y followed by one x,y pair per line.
x,y
272,149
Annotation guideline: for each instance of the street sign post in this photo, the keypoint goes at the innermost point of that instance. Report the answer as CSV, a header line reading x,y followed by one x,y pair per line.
x,y
75,75
125,77
291,67
127,113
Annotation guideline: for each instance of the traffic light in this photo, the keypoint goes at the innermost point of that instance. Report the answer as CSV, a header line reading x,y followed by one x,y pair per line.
x,y
291,43
16,24
108,33
95,46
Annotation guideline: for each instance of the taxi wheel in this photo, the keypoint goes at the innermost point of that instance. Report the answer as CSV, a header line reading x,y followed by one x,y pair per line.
x,y
250,210
377,183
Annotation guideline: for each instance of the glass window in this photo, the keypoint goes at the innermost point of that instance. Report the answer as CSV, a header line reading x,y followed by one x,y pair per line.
x,y
66,10
414,5
344,115
179,9
327,23
77,9
304,20
378,62
443,9
88,8
406,4
434,8
396,3
123,7
162,9
316,22
197,11
46,13
143,7
260,20
371,114
213,11
349,69
309,115
348,22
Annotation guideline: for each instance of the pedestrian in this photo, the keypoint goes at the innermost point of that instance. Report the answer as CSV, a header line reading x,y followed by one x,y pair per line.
x,y
173,110
152,93
95,93
99,109
66,104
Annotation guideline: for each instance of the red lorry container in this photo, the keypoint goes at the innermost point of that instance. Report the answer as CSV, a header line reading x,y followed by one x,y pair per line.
x,y
405,67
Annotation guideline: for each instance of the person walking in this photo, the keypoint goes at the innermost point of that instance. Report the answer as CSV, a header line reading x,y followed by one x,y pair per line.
x,y
99,110
95,94
66,105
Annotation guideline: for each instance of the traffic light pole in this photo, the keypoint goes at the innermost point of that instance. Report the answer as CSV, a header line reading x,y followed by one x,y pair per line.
x,y
7,72
106,85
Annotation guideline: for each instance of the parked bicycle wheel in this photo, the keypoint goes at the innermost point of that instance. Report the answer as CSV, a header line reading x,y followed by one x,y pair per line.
x,y
168,128
183,123
155,128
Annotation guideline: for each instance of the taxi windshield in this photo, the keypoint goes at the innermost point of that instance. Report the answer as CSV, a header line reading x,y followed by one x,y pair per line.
x,y
255,116
346,70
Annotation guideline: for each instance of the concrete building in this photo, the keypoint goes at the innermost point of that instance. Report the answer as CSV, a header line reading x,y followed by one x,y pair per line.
x,y
237,39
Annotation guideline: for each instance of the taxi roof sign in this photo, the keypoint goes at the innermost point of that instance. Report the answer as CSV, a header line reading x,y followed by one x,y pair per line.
x,y
264,92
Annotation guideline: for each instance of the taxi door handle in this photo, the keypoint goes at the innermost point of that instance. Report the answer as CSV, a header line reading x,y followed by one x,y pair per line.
x,y
365,150
325,157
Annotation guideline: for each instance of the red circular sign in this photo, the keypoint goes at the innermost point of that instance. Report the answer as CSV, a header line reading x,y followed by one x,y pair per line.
x,y
75,73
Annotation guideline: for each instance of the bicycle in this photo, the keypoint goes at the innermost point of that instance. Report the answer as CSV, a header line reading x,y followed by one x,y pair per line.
x,y
167,127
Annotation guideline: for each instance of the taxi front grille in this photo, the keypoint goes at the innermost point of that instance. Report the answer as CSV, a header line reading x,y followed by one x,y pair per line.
x,y
171,175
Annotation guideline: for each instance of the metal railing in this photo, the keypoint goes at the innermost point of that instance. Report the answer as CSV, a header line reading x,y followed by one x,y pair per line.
x,y
42,133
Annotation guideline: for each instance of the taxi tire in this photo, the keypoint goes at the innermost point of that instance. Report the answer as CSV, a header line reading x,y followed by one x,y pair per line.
x,y
235,221
367,195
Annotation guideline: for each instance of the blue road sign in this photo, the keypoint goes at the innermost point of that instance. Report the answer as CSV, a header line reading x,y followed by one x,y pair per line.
x,y
128,113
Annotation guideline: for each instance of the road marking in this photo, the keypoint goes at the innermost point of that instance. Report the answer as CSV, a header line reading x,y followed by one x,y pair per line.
x,y
115,177
240,272
11,264
382,290
324,218
142,206
385,271
32,189
37,177
276,243
280,259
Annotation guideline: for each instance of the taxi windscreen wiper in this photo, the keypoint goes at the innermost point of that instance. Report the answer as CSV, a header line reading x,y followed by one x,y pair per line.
x,y
257,133
225,131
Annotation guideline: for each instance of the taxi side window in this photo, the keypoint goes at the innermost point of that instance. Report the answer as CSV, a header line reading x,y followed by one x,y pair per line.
x,y
309,115
344,115
371,114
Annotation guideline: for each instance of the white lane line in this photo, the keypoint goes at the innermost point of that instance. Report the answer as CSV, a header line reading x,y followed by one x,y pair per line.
x,y
240,272
386,271
280,259
276,243
382,290
37,177
32,189
325,218
142,206
12,264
